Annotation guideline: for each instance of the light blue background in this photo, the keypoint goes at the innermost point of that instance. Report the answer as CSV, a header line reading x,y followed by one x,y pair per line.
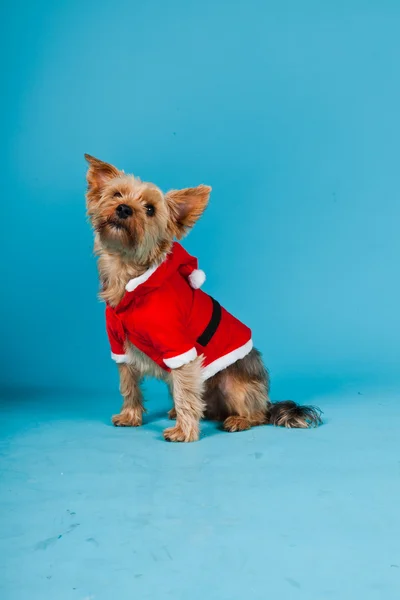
x,y
290,110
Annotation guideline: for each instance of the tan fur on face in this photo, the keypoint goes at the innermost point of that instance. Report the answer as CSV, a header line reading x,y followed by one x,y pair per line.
x,y
138,237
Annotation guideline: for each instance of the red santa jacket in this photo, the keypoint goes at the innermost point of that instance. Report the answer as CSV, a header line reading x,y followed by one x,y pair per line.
x,y
165,315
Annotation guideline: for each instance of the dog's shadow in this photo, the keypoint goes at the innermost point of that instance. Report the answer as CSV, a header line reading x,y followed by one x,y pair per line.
x,y
158,421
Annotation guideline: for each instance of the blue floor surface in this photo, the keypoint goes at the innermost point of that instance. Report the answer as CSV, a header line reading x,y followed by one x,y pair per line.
x,y
90,512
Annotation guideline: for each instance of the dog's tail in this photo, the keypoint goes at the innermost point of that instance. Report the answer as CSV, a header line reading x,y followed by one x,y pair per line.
x,y
289,414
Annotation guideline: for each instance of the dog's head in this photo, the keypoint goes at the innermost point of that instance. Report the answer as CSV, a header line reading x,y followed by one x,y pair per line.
x,y
135,218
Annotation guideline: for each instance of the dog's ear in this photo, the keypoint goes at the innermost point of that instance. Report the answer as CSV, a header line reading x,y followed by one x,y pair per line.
x,y
187,206
99,173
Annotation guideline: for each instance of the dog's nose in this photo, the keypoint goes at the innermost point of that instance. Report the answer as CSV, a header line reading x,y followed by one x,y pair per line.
x,y
124,211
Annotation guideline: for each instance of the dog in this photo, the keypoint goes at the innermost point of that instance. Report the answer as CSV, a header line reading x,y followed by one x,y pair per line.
x,y
159,320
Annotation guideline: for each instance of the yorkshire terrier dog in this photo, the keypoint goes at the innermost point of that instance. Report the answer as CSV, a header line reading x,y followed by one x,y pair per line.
x,y
160,323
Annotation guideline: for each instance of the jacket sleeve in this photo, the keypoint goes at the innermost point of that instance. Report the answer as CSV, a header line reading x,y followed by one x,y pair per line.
x,y
171,342
116,337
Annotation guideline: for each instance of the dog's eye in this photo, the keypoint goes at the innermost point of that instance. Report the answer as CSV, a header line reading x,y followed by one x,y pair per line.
x,y
117,195
150,210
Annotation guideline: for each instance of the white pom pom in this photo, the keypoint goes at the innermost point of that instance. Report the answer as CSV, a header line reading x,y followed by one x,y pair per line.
x,y
197,278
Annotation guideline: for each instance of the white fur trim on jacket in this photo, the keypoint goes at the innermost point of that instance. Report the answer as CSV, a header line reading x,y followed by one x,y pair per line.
x,y
197,278
182,359
136,281
120,358
227,360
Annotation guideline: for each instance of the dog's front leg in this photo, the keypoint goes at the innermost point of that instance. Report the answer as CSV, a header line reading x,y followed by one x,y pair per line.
x,y
132,409
187,389
172,412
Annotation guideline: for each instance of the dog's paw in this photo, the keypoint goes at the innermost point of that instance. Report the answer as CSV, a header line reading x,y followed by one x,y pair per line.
x,y
172,414
129,417
236,424
178,434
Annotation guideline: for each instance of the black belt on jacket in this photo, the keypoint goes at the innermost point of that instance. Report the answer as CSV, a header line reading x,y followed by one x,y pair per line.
x,y
212,326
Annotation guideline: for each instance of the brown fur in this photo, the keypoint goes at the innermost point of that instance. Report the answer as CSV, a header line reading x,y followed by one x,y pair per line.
x,y
187,389
239,396
126,248
132,409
